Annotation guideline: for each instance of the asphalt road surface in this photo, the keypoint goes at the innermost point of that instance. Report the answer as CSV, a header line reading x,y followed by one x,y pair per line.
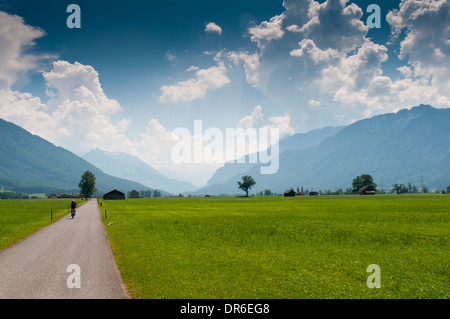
x,y
70,258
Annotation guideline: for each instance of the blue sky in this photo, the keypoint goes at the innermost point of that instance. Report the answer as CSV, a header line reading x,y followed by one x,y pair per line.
x,y
136,70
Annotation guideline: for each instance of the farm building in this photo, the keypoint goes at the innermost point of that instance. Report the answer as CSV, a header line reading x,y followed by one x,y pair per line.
x,y
313,193
366,190
114,194
134,194
289,192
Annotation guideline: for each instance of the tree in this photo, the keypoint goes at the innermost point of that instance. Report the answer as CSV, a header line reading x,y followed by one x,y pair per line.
x,y
87,184
267,192
156,193
363,180
396,187
247,183
399,188
409,188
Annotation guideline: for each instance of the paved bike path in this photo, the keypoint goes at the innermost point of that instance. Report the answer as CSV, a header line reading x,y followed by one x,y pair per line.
x,y
37,267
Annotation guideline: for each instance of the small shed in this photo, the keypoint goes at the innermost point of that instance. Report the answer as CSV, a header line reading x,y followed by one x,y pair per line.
x,y
289,193
313,193
114,194
366,190
134,194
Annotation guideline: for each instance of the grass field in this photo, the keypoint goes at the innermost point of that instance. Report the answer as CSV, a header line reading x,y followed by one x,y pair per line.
x,y
276,247
21,217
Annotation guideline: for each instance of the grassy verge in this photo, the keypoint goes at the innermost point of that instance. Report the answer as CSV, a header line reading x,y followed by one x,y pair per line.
x,y
22,217
275,247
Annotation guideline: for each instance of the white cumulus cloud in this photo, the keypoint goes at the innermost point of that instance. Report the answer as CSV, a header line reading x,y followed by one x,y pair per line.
x,y
251,66
250,120
213,28
196,88
77,115
267,31
15,38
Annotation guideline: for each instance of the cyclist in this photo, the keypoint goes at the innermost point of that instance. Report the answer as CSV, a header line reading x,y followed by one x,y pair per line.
x,y
73,205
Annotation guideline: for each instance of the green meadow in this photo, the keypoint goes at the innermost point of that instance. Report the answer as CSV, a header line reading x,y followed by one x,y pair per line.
x,y
276,247
22,217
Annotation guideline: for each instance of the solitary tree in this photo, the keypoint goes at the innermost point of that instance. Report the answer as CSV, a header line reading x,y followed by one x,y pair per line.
x,y
247,183
363,180
87,184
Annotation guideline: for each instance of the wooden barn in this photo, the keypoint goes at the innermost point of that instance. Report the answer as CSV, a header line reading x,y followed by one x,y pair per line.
x,y
114,194
366,190
134,194
289,193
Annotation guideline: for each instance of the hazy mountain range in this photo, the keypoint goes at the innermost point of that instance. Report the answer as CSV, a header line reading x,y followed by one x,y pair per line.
x,y
401,147
28,162
407,146
130,167
300,141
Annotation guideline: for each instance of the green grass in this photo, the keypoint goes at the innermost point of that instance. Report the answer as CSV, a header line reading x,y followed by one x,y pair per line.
x,y
22,217
276,247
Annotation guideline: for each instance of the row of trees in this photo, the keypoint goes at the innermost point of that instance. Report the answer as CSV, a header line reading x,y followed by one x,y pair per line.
x,y
358,182
302,190
145,193
400,188
364,180
13,195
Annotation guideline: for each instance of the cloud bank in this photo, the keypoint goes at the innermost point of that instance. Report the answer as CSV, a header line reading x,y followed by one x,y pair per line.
x,y
325,50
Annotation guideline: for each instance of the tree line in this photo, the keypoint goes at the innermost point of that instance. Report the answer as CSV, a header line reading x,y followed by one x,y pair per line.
x,y
358,182
145,193
13,195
